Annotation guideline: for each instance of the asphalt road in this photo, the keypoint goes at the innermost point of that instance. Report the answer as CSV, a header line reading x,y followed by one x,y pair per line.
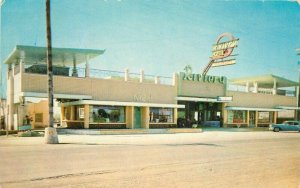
x,y
209,159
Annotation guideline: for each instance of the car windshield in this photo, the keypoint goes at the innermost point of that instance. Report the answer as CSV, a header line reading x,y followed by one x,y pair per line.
x,y
287,122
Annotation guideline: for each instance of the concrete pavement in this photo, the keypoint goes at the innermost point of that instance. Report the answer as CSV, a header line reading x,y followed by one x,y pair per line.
x,y
209,159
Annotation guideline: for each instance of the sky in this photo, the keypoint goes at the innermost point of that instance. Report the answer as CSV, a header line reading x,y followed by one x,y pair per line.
x,y
162,36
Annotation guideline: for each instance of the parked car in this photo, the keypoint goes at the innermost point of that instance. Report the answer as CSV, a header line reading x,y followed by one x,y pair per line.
x,y
286,126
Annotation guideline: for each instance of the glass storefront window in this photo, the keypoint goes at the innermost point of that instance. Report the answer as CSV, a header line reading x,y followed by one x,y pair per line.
x,y
79,113
265,117
161,115
237,116
108,114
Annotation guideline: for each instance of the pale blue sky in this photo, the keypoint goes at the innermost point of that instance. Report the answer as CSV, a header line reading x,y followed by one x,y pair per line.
x,y
162,36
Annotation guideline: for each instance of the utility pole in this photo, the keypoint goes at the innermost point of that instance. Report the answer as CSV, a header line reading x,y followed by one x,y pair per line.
x,y
298,53
50,132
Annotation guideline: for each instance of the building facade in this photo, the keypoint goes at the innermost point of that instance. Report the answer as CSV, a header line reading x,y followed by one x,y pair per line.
x,y
90,98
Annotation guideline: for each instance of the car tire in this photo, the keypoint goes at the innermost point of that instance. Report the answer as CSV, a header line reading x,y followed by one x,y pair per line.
x,y
276,129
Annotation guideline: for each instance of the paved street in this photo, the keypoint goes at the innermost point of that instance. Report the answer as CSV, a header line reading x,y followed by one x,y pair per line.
x,y
209,159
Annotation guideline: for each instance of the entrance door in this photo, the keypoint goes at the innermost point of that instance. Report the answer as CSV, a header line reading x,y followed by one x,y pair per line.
x,y
252,119
137,117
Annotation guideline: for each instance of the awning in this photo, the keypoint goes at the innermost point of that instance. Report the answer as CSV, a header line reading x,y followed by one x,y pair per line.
x,y
200,99
265,81
56,95
252,109
288,107
60,56
117,103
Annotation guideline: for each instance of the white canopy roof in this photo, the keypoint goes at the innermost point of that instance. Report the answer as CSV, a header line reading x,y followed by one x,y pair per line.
x,y
266,81
60,56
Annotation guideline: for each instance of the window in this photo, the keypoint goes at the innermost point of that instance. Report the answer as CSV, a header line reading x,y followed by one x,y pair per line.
x,y
79,115
39,117
265,117
236,116
161,115
108,114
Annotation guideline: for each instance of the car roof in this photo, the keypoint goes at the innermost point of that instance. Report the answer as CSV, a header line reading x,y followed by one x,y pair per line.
x,y
292,121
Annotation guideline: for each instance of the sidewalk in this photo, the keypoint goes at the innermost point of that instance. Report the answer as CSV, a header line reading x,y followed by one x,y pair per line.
x,y
254,129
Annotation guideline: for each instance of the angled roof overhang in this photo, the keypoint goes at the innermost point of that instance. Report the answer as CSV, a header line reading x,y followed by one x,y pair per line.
x,y
60,56
266,81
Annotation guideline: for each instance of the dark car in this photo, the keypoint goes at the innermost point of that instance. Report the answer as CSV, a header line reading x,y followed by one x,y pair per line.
x,y
286,126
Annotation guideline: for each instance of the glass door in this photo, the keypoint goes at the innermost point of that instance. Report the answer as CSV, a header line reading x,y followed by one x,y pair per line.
x,y
252,119
137,117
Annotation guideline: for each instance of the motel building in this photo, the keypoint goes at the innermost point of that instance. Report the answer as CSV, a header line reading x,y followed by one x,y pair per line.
x,y
90,98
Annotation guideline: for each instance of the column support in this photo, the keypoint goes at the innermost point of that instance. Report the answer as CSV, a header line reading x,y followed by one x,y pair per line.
x,y
86,116
126,76
145,115
255,84
275,117
157,80
87,67
22,62
256,118
10,98
175,115
142,76
72,113
62,114
74,71
174,81
274,87
129,117
247,87
248,118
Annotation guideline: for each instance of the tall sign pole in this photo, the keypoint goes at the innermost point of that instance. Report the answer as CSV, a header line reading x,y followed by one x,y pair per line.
x,y
221,51
50,132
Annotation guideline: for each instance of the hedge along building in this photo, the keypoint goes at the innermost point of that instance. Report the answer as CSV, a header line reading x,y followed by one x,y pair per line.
x,y
89,98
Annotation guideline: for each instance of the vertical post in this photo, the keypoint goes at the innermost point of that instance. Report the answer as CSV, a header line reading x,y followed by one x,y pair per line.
x,y
174,79
50,132
225,116
62,114
175,115
275,117
145,117
129,117
157,80
22,62
274,87
72,113
126,76
87,67
49,63
142,76
10,98
256,118
86,116
248,118
255,84
297,95
247,87
74,71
